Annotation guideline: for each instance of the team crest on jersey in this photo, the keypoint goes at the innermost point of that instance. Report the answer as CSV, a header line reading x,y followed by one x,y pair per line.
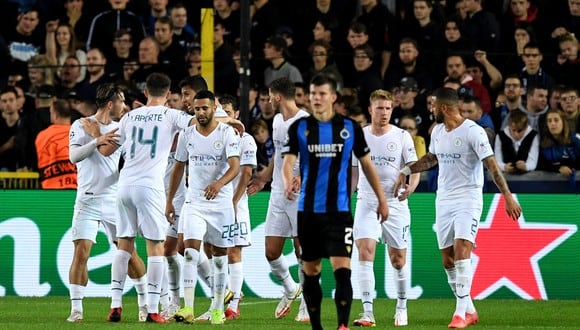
x,y
71,134
391,146
306,132
344,134
457,142
218,145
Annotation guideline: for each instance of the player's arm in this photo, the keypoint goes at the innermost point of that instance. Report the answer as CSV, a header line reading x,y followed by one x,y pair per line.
x,y
414,179
214,188
373,178
353,179
288,175
174,182
425,163
245,177
513,209
260,180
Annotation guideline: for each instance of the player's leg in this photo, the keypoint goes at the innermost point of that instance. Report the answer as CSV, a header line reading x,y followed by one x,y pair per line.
x,y
302,315
78,278
192,231
281,224
312,290
126,228
337,240
153,225
173,278
395,233
366,232
236,281
138,273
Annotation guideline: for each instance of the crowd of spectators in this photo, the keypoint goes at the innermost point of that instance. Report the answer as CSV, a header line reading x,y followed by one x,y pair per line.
x,y
514,62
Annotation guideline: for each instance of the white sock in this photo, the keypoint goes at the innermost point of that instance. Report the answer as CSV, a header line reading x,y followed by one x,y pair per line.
x,y
164,297
118,275
401,283
191,259
451,279
220,279
463,285
236,282
77,293
204,269
366,281
141,288
174,278
155,269
301,280
280,269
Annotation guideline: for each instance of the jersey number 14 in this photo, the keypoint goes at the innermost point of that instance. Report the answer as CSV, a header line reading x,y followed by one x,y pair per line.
x,y
137,137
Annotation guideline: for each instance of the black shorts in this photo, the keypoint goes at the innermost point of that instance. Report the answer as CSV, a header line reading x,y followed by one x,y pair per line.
x,y
325,235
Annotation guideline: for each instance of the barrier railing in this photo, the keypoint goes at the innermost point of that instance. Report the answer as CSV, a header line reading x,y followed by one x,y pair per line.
x,y
19,180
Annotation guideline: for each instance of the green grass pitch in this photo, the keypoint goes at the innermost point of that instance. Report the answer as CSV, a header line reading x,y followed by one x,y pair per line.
x,y
51,312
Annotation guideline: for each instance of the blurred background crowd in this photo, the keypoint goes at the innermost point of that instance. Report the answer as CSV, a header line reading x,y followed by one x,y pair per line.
x,y
514,63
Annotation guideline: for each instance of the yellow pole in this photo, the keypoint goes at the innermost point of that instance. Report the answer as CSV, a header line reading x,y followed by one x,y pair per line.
x,y
207,70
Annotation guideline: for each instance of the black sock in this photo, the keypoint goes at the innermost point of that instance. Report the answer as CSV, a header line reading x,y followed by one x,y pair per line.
x,y
312,293
343,295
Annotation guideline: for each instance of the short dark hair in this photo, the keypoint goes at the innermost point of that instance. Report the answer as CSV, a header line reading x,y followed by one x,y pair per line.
x,y
164,20
197,83
229,99
157,84
530,89
358,27
8,89
205,94
107,92
446,95
62,108
283,86
323,79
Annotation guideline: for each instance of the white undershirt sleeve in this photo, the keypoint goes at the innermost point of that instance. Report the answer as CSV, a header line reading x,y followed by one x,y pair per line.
x,y
78,153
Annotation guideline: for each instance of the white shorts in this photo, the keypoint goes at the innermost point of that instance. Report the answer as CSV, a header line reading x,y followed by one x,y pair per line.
x,y
89,212
214,226
457,221
281,219
173,228
394,232
141,211
242,228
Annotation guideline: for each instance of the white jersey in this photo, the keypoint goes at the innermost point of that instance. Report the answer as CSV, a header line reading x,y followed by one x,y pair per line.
x,y
279,137
208,161
180,193
97,175
146,138
460,154
248,150
389,153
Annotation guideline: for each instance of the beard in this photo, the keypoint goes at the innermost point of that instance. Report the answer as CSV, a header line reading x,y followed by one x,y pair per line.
x,y
439,118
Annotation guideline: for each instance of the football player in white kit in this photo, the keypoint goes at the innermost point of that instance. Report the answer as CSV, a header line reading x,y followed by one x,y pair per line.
x,y
281,219
391,149
96,195
146,134
211,148
460,147
242,228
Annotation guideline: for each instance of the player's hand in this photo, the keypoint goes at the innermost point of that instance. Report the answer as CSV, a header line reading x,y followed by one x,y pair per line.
x,y
110,137
401,182
211,191
255,185
521,165
513,209
404,194
382,211
170,212
91,127
296,183
290,192
136,104
237,125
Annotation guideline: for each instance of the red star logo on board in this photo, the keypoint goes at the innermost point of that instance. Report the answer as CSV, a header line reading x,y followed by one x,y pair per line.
x,y
507,253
